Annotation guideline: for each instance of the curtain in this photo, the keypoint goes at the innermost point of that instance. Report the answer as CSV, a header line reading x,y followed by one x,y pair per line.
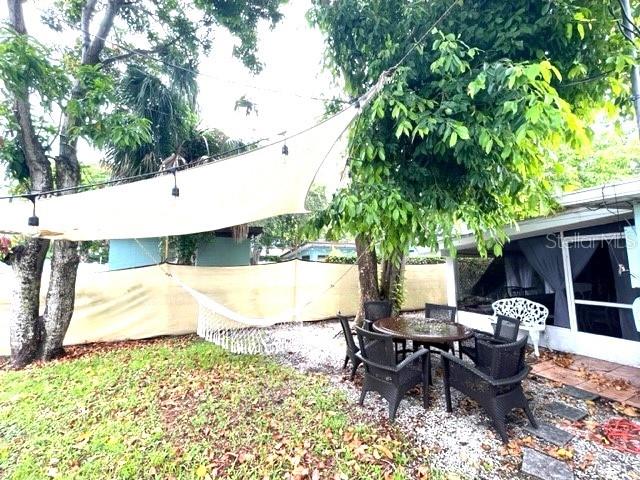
x,y
517,269
545,256
624,292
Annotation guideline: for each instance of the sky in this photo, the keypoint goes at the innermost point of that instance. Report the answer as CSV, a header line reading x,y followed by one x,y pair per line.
x,y
292,54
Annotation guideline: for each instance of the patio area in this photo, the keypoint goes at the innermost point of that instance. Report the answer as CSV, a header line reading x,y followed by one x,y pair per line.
x,y
608,380
570,443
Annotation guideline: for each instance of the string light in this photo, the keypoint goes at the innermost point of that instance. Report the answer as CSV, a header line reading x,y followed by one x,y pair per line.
x,y
34,221
175,191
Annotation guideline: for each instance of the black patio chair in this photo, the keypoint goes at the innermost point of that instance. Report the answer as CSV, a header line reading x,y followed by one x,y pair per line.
x,y
495,382
384,375
352,348
379,309
505,331
444,313
375,310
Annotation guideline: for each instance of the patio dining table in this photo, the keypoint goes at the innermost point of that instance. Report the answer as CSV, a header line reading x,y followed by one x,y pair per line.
x,y
423,330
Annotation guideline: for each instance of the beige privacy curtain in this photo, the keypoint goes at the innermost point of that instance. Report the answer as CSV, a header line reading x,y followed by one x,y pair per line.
x,y
252,186
145,302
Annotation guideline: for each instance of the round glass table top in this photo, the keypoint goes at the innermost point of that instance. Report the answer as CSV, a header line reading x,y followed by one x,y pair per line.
x,y
422,329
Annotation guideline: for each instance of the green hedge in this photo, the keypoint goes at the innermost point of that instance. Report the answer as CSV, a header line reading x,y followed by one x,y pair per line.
x,y
410,261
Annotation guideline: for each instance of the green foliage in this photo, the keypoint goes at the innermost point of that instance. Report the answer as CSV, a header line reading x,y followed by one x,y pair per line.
x,y
25,67
464,129
291,231
140,107
99,116
351,259
611,157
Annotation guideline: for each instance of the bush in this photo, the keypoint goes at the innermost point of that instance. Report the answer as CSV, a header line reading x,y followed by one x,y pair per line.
x,y
270,258
350,260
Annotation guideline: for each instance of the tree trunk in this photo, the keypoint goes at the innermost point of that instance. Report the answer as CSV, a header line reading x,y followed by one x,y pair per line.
x,y
60,297
367,274
32,336
25,329
391,284
65,259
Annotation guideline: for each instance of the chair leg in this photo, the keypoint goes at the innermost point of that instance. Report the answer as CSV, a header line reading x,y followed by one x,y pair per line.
x,y
501,427
447,388
426,366
535,339
393,406
346,361
354,367
363,394
498,418
529,414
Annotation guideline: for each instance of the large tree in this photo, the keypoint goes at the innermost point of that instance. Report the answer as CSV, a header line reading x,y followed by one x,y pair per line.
x,y
463,130
81,85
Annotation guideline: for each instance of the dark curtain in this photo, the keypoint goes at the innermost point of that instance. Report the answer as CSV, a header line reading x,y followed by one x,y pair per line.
x,y
624,292
517,269
545,256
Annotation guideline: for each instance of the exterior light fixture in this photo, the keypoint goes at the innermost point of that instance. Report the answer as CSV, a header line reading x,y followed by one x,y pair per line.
x,y
285,149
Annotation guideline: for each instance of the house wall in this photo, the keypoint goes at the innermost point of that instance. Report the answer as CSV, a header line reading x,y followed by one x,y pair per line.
x,y
571,338
130,253
223,252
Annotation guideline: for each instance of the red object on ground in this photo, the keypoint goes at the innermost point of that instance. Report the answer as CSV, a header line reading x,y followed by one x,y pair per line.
x,y
623,434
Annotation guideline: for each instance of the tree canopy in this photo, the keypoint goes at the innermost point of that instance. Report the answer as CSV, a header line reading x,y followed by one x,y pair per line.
x,y
464,128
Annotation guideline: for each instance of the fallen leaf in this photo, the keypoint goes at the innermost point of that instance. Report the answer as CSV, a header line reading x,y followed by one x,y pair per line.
x,y
201,471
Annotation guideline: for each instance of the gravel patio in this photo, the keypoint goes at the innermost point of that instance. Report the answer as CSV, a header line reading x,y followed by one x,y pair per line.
x,y
463,443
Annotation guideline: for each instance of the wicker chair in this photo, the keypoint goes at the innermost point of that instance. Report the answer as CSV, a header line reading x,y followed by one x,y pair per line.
x,y
495,382
444,313
384,375
505,331
352,348
376,310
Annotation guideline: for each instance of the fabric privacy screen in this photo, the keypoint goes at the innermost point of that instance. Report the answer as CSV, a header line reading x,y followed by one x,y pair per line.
x,y
145,302
259,184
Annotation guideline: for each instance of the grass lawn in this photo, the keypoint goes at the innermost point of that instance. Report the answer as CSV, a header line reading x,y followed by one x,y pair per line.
x,y
183,408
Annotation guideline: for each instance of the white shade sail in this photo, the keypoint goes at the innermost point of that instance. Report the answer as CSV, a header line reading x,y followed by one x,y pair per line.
x,y
259,184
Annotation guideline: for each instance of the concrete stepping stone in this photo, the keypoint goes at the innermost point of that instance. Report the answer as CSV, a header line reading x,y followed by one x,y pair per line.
x,y
543,466
550,433
566,411
578,393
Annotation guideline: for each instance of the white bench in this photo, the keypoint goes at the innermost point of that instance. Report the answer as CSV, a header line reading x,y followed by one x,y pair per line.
x,y
532,316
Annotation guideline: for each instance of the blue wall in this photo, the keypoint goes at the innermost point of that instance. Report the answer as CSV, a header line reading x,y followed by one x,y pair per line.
x,y
128,253
223,252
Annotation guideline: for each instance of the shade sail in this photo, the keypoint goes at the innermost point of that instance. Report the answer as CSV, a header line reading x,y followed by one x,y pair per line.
x,y
245,188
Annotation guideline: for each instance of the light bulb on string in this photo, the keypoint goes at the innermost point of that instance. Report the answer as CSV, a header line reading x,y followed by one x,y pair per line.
x,y
175,191
34,221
